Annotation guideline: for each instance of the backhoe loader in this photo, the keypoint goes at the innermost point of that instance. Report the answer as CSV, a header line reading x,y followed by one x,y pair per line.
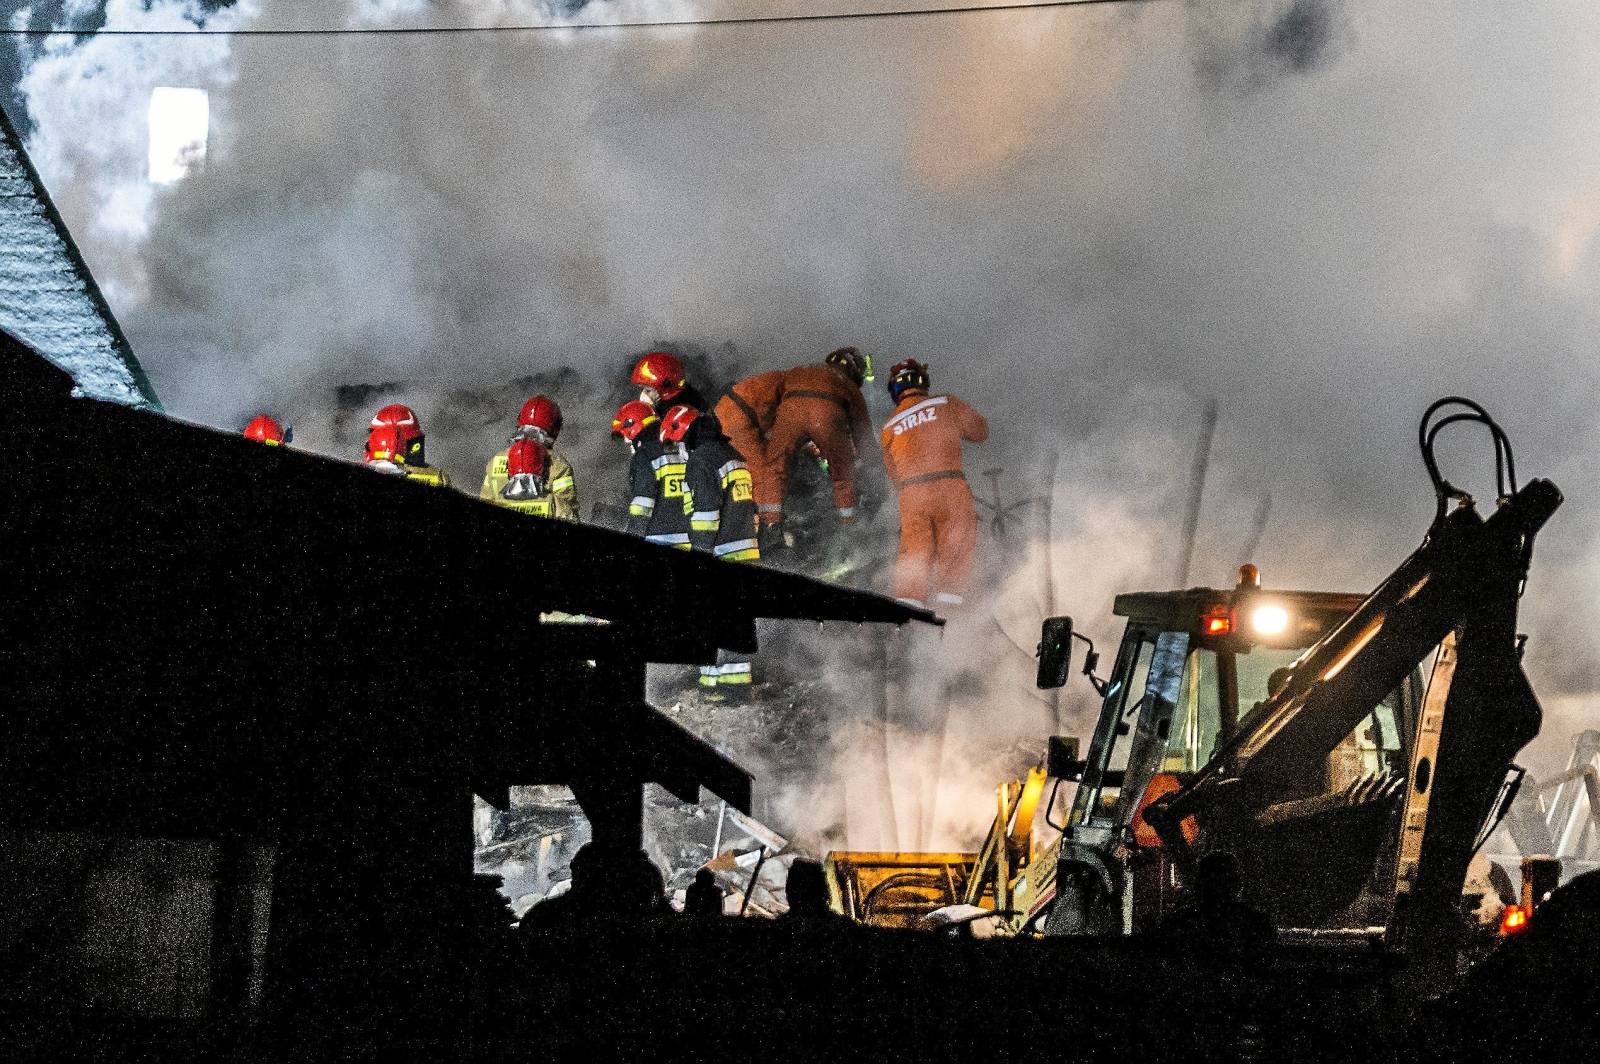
x,y
1352,752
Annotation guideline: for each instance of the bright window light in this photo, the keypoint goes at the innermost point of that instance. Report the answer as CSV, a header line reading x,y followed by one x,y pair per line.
x,y
180,120
1269,620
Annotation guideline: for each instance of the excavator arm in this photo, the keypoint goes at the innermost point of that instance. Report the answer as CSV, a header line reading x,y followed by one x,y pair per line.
x,y
1386,855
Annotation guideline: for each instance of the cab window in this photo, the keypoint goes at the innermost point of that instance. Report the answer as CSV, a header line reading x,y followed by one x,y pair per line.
x,y
1113,741
1257,671
1375,746
1196,721
1122,743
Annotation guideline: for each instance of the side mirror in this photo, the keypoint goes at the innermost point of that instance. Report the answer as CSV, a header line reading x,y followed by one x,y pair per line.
x,y
1055,652
1061,759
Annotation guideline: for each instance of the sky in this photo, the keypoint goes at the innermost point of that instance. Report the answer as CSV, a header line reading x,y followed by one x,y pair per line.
x,y
1323,214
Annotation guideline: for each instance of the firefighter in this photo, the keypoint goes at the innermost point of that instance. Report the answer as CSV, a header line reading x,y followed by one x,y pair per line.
x,y
543,484
806,893
264,428
717,492
656,509
525,479
720,504
747,412
822,405
817,408
922,455
662,383
395,444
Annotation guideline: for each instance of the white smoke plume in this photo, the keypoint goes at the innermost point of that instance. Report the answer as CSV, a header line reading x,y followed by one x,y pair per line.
x,y
1324,214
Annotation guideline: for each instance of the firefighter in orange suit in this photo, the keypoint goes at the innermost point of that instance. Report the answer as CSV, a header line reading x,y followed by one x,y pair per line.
x,y
770,417
746,413
922,454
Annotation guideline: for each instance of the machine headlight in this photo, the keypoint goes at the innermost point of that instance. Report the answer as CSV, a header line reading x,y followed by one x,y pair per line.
x,y
1269,620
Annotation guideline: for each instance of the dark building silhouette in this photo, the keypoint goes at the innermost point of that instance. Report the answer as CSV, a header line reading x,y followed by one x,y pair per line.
x,y
248,693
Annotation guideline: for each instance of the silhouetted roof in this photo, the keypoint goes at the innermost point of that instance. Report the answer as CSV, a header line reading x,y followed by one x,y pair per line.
x,y
48,297
638,740
486,550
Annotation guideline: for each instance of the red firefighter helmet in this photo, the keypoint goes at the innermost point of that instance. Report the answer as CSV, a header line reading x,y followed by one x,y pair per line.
x,y
386,444
540,414
856,366
527,457
264,428
662,373
632,418
408,440
676,425
907,376
527,466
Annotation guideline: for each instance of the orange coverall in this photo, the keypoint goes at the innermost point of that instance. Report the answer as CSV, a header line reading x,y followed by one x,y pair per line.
x,y
938,522
779,412
746,413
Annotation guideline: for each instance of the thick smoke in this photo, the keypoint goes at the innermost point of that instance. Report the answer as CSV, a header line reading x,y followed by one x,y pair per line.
x,y
1060,210
1299,39
1248,46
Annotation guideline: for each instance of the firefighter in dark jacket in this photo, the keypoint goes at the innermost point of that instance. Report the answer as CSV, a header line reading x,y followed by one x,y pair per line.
x,y
720,504
664,384
655,510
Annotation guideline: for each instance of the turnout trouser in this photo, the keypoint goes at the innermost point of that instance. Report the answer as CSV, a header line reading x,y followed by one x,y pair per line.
x,y
938,535
730,670
739,424
824,422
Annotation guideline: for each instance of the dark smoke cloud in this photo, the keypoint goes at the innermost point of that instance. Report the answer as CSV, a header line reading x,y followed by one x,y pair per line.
x,y
1301,37
1059,210
1246,46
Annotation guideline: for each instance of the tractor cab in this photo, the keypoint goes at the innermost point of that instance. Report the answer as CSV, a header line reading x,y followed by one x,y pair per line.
x,y
1191,666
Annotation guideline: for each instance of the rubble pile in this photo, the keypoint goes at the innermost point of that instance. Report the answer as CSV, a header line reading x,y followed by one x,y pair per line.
x,y
530,846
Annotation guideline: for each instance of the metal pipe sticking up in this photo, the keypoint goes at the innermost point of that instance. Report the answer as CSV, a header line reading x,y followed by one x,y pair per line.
x,y
1197,490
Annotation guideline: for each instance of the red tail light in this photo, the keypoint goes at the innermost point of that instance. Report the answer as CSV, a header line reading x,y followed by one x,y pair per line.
x,y
1513,920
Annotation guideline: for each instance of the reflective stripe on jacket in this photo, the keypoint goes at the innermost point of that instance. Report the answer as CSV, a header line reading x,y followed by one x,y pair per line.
x,y
924,436
432,476
719,503
560,500
656,509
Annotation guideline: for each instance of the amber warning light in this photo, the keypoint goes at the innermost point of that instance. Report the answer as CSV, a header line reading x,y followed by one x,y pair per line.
x,y
1514,919
1218,623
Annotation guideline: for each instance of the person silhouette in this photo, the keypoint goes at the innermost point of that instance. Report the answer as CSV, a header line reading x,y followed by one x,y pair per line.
x,y
1231,942
1216,918
704,896
806,892
609,884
